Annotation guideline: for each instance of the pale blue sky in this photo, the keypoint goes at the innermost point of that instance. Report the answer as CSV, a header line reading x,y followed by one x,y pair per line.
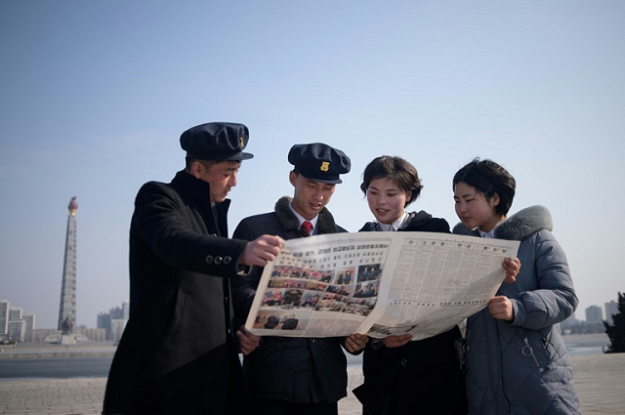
x,y
94,96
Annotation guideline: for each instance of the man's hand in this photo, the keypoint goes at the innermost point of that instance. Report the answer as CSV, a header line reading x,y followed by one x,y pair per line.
x,y
512,267
261,250
248,342
500,307
397,341
355,342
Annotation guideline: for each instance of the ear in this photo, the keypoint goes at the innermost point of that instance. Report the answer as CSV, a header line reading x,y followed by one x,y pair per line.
x,y
495,199
197,169
292,177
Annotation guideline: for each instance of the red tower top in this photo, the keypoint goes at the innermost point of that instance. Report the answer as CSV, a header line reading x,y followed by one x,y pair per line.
x,y
73,206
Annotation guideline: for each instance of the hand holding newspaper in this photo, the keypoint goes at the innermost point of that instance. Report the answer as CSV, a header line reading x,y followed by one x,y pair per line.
x,y
377,283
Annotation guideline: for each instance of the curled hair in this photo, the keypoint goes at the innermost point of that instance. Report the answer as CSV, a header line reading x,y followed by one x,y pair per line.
x,y
396,169
488,177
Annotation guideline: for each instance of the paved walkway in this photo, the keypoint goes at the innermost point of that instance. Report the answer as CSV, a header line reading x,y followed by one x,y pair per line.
x,y
600,381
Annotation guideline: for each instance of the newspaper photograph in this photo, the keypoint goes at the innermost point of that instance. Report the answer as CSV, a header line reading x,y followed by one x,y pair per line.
x,y
377,283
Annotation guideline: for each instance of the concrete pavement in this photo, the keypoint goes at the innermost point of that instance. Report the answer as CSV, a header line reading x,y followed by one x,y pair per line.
x,y
600,381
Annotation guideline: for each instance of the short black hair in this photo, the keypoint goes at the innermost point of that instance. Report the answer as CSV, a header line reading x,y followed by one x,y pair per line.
x,y
396,169
206,163
489,178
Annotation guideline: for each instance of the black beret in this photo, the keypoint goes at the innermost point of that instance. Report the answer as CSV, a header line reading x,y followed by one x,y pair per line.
x,y
319,162
218,141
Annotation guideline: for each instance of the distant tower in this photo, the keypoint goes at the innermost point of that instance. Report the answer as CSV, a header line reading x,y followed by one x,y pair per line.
x,y
5,309
611,309
594,314
67,310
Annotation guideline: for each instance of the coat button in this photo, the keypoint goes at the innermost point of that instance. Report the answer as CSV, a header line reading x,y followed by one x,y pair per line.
x,y
213,234
227,260
209,259
218,260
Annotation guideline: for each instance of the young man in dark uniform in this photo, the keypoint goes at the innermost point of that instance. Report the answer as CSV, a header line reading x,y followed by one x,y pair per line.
x,y
297,375
178,353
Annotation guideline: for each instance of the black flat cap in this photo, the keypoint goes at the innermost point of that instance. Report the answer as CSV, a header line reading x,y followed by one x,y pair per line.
x,y
319,162
220,141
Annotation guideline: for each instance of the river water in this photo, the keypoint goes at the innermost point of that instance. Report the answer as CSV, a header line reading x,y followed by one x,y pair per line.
x,y
98,367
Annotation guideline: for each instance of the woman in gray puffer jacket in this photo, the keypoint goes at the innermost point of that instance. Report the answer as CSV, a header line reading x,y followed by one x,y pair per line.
x,y
517,362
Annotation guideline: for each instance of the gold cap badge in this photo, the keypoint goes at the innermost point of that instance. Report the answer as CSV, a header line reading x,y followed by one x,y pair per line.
x,y
325,166
242,142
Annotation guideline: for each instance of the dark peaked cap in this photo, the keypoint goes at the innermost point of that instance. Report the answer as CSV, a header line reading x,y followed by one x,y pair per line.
x,y
219,141
319,162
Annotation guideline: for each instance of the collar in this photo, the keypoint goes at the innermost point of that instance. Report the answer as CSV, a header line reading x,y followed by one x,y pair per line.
x,y
392,227
301,219
196,193
195,189
490,234
289,222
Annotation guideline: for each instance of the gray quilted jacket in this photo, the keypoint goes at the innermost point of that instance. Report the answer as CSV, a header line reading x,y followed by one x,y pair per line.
x,y
522,367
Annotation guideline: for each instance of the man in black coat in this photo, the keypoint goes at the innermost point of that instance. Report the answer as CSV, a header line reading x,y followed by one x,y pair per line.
x,y
178,353
297,375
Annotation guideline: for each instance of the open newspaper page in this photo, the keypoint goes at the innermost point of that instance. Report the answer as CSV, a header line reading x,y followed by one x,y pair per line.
x,y
321,286
378,283
439,280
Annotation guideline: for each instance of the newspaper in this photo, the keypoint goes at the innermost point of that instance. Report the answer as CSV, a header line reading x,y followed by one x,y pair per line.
x,y
377,283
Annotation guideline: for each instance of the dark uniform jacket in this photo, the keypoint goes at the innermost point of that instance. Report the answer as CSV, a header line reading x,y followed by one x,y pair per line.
x,y
422,377
177,353
300,370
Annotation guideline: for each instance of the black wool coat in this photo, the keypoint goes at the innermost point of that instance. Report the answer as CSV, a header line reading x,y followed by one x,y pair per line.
x,y
422,377
302,370
178,351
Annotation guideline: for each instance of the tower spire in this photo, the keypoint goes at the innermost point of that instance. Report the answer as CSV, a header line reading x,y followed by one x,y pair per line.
x,y
73,206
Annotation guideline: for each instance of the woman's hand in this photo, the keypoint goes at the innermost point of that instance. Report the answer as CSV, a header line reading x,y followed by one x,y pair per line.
x,y
500,307
512,267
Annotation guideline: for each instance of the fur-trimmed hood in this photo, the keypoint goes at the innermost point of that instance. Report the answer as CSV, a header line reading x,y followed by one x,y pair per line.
x,y
289,222
517,227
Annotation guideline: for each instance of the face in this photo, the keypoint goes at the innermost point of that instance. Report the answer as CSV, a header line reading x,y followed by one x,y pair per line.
x,y
474,209
310,196
386,200
222,177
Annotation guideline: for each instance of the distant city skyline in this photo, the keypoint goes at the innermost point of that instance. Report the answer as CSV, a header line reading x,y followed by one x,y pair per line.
x,y
122,312
11,312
